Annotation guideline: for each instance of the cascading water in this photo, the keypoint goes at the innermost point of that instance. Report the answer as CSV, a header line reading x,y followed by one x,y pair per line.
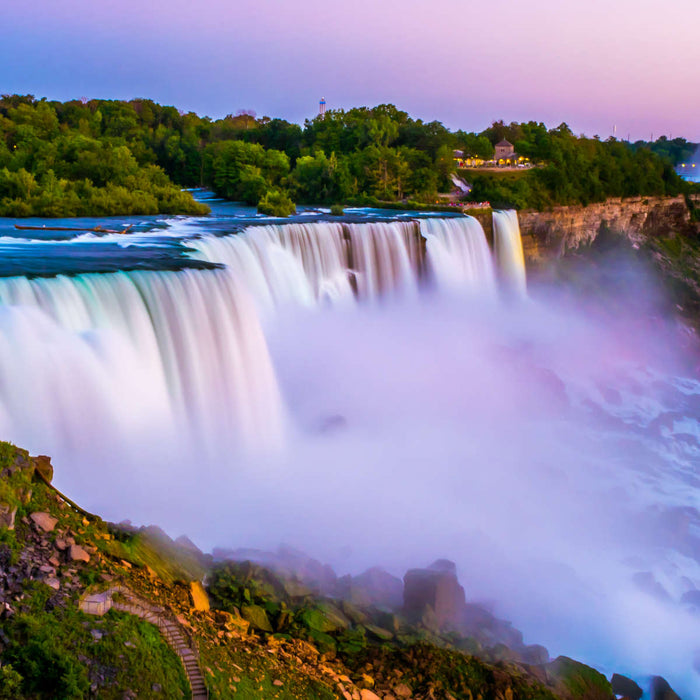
x,y
385,257
461,426
180,351
280,264
311,263
188,343
458,255
508,247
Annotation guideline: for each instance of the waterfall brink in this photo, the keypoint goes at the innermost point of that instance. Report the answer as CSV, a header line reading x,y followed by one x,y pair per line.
x,y
386,258
458,255
107,357
288,263
509,252
321,262
189,344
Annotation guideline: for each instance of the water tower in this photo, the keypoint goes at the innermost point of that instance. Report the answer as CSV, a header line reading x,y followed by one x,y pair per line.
x,y
322,107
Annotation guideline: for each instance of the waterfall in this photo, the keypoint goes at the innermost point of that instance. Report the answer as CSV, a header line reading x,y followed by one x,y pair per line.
x,y
320,262
115,354
508,248
183,353
288,263
458,255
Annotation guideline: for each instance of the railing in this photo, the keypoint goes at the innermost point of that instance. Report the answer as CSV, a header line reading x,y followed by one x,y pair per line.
x,y
179,639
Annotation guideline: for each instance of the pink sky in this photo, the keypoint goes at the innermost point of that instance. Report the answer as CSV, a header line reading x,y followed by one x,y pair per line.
x,y
594,64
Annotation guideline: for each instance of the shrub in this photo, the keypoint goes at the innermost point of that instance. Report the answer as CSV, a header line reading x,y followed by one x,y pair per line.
x,y
276,203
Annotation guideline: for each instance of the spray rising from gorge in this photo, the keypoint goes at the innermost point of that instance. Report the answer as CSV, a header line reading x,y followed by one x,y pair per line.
x,y
379,392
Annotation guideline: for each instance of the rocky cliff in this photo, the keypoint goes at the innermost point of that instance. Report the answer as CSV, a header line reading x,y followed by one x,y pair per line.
x,y
551,234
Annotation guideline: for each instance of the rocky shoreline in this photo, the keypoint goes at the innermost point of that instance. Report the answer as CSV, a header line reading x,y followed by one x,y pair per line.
x,y
266,624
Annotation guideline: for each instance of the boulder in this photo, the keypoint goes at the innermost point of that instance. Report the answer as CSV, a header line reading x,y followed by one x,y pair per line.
x,y
621,685
535,654
257,617
77,553
374,587
402,691
367,694
43,521
200,599
661,690
569,674
324,618
434,596
42,465
380,632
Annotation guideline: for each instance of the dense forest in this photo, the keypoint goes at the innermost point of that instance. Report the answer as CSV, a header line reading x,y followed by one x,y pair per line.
x,y
106,157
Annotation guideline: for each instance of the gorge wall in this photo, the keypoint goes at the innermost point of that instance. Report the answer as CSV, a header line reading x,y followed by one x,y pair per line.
x,y
551,234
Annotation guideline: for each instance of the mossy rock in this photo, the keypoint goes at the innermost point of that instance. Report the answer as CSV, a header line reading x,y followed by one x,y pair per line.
x,y
380,632
257,617
324,643
353,613
324,618
352,642
580,681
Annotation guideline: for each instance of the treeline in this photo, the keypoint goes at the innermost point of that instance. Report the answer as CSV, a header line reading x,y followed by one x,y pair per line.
x,y
114,157
573,169
70,159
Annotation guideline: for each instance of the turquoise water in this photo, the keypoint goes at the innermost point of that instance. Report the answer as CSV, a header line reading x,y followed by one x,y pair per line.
x,y
153,242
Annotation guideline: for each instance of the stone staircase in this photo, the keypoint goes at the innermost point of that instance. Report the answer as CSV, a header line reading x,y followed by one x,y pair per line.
x,y
174,635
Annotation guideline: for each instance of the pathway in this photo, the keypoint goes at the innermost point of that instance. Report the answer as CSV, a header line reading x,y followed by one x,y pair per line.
x,y
100,603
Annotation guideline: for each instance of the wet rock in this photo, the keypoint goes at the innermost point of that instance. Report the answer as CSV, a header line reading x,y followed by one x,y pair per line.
x,y
296,589
621,685
568,673
380,632
324,618
661,690
42,465
43,521
381,588
434,596
77,553
286,563
257,617
535,654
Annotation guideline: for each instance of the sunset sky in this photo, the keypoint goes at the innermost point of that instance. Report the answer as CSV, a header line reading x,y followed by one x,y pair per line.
x,y
593,64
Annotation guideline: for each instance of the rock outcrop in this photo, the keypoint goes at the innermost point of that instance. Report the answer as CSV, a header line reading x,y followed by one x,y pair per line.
x,y
434,597
550,234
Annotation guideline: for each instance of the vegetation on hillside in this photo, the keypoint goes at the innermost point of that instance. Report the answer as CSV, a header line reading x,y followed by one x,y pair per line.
x,y
102,157
573,169
266,636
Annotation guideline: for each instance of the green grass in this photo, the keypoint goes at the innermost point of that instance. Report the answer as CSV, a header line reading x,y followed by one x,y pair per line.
x,y
256,674
57,655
